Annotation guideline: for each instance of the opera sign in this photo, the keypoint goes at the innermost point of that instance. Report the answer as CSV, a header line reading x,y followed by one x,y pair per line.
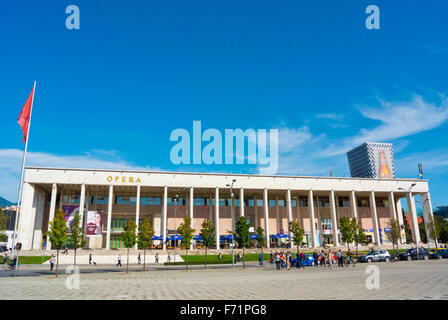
x,y
124,179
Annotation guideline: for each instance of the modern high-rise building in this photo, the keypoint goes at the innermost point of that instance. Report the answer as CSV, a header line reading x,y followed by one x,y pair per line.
x,y
372,160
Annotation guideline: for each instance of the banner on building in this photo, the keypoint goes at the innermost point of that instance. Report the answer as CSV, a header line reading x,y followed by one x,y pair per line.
x,y
94,223
69,212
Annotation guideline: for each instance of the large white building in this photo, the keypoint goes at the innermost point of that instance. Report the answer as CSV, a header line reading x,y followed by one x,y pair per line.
x,y
269,202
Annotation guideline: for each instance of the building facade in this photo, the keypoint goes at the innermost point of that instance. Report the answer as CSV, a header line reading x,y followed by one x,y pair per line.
x,y
372,160
106,199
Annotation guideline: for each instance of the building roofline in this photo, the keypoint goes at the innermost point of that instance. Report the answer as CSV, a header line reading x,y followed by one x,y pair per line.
x,y
222,174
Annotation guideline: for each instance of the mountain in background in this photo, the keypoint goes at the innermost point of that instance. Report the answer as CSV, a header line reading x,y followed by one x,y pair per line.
x,y
4,202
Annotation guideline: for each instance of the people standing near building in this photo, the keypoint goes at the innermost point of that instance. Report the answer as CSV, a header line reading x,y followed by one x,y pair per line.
x,y
330,258
119,261
271,258
157,258
340,259
90,258
315,258
288,260
139,258
277,260
349,258
168,259
52,262
322,258
219,256
260,259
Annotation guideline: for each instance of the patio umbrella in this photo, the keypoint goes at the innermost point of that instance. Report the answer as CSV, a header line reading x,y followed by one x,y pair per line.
x,y
253,236
176,237
282,235
157,238
197,238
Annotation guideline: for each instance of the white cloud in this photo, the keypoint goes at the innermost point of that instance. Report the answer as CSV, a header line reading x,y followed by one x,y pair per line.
x,y
11,162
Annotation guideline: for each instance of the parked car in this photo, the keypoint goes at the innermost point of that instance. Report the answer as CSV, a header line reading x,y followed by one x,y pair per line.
x,y
307,262
376,256
411,254
444,253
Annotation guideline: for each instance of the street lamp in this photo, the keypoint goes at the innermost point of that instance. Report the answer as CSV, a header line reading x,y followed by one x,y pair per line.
x,y
175,224
233,219
416,244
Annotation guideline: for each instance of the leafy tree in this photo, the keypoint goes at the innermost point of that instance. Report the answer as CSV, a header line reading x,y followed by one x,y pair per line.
x,y
433,229
76,239
242,235
144,238
443,225
395,233
3,219
297,232
186,232
208,236
58,234
261,240
129,238
360,236
348,228
422,230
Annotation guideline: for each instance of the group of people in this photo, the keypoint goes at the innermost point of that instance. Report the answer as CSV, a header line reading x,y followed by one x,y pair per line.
x,y
323,258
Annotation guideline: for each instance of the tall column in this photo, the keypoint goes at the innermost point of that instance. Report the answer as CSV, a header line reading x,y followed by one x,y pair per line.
x,y
86,213
277,216
319,222
109,215
313,226
164,213
256,213
392,212
54,191
400,220
413,218
61,198
298,210
376,231
191,202
353,205
217,218
427,214
137,211
266,217
242,202
82,203
288,200
334,219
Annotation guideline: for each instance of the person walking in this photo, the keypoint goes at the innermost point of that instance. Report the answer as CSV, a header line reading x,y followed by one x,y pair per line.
x,y
139,259
349,258
168,259
219,256
322,258
157,258
119,261
288,260
52,262
271,258
260,259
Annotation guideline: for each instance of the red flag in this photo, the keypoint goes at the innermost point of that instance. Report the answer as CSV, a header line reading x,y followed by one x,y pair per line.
x,y
24,117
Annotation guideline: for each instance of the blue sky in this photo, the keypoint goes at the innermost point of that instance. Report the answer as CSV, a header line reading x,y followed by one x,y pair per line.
x,y
109,94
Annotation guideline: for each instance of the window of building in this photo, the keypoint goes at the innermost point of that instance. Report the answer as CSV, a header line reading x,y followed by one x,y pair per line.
x,y
344,202
272,202
281,203
363,202
99,199
326,224
382,202
125,200
152,201
324,201
303,201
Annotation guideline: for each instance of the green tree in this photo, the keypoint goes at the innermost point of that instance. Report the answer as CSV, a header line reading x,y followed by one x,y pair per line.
x,y
129,238
144,238
208,236
422,230
261,240
443,225
76,239
394,233
242,235
58,234
186,232
3,219
348,228
297,232
360,236
433,229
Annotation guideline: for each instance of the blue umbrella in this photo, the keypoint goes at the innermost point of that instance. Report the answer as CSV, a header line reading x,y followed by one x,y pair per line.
x,y
282,235
197,238
253,236
176,237
157,238
274,236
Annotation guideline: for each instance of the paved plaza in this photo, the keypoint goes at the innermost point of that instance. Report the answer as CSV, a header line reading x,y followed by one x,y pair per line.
x,y
399,280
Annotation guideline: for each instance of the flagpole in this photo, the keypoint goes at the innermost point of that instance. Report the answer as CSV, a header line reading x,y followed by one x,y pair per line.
x,y
19,197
